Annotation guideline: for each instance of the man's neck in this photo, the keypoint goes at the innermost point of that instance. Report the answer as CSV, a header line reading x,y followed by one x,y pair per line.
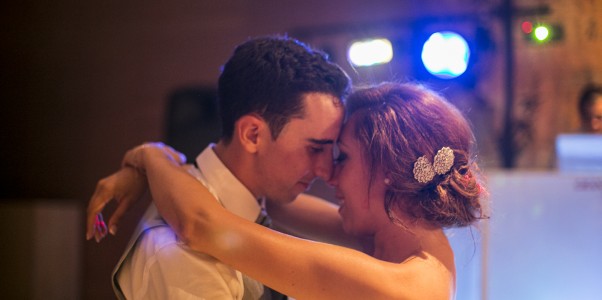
x,y
238,162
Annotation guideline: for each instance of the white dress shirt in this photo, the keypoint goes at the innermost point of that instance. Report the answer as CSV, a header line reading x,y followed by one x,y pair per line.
x,y
158,266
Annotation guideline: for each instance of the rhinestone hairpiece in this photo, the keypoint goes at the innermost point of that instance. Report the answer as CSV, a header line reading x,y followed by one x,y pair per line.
x,y
443,161
424,171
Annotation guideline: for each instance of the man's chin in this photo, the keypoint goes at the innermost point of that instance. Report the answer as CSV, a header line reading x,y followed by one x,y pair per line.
x,y
303,186
280,200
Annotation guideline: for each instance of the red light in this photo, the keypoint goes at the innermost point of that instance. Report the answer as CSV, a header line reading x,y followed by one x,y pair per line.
x,y
527,27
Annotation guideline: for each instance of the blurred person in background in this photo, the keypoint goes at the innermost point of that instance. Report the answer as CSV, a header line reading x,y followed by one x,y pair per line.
x,y
590,109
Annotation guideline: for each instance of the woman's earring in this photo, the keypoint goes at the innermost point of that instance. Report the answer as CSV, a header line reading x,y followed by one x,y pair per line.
x,y
387,181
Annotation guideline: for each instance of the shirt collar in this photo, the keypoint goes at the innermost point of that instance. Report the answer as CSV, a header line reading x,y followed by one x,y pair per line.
x,y
233,195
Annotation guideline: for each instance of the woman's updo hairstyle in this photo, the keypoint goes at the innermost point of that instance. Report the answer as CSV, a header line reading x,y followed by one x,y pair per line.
x,y
396,124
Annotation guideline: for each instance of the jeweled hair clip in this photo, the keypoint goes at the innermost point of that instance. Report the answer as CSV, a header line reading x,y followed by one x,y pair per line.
x,y
424,171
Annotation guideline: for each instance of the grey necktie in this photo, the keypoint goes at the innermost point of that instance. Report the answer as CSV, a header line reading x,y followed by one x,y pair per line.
x,y
265,220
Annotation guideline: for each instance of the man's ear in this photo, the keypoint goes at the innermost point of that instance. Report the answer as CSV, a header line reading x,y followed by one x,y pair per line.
x,y
249,130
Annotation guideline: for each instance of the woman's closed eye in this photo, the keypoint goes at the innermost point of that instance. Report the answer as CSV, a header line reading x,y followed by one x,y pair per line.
x,y
340,158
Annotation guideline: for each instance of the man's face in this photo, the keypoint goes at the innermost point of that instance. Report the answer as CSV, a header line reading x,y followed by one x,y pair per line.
x,y
288,165
595,116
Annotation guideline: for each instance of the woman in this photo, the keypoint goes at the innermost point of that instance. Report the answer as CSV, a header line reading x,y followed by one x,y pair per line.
x,y
403,173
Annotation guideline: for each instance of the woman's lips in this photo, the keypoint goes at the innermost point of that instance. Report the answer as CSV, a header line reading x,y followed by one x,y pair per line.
x,y
341,202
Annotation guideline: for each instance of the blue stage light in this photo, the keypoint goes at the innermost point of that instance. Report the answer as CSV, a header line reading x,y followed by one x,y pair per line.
x,y
445,55
370,52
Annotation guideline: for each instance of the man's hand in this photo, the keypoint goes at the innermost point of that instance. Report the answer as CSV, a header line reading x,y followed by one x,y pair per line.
x,y
125,186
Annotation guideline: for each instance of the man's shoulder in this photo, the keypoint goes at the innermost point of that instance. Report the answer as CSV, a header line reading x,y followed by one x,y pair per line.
x,y
160,266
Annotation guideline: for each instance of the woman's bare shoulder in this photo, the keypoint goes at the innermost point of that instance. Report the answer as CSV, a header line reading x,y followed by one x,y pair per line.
x,y
428,277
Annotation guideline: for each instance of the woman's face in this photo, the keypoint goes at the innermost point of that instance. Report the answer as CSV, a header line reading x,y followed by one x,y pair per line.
x,y
360,200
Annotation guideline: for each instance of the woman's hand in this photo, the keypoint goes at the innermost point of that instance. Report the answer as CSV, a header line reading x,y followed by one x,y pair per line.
x,y
135,157
125,186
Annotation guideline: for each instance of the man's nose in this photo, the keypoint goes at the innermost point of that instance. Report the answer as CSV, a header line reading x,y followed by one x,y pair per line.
x,y
334,178
323,167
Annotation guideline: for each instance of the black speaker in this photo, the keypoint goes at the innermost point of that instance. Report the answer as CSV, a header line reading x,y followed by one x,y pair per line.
x,y
192,120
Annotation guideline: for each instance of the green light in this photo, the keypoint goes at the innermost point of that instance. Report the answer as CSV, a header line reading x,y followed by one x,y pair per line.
x,y
541,33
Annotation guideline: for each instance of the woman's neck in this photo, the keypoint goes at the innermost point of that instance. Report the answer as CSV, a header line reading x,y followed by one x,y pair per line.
x,y
396,243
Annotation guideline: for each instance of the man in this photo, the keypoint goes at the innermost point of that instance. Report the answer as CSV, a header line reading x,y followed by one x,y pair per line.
x,y
590,109
281,108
